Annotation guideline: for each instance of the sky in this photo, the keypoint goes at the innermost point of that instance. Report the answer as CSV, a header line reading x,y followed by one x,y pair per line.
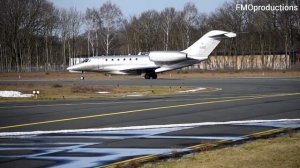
x,y
136,7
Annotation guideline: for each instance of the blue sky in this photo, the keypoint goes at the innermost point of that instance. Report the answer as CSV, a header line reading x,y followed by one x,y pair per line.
x,y
136,7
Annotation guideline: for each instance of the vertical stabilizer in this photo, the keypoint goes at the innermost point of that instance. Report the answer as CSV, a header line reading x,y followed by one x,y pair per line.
x,y
202,48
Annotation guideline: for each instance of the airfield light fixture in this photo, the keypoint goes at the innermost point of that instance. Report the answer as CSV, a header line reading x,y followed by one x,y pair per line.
x,y
36,93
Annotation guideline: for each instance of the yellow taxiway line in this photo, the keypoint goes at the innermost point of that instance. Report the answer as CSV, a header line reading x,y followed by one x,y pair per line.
x,y
242,98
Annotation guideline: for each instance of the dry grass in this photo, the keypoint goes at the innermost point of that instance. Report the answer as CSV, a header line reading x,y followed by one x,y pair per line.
x,y
59,91
180,74
268,153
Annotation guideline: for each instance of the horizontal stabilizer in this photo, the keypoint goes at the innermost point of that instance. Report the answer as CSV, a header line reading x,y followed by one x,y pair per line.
x,y
225,35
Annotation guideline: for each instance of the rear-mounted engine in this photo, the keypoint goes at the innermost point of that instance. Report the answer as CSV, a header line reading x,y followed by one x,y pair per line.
x,y
167,56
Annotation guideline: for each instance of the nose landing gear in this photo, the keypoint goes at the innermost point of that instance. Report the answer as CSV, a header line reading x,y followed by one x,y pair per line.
x,y
81,77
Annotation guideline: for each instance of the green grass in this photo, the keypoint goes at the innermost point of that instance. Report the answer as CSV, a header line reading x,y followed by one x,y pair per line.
x,y
280,152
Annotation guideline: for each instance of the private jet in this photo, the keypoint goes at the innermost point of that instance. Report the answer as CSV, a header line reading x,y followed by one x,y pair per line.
x,y
153,62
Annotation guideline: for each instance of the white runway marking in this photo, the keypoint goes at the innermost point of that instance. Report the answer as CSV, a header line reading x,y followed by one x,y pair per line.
x,y
87,146
286,123
192,90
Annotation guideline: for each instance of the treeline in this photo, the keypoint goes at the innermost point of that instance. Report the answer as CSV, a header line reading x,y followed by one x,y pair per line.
x,y
35,35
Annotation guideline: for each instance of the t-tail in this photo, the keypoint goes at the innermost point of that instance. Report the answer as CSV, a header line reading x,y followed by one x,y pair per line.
x,y
202,48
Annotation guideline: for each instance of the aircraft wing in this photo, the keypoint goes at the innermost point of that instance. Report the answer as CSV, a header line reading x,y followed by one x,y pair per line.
x,y
131,69
158,69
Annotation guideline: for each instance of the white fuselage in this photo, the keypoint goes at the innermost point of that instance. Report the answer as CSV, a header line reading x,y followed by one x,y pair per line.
x,y
128,64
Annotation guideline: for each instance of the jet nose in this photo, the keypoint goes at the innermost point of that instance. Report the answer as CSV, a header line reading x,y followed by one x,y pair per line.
x,y
77,67
70,68
80,67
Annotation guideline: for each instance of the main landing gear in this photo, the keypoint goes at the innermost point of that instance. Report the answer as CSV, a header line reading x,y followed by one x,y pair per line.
x,y
150,76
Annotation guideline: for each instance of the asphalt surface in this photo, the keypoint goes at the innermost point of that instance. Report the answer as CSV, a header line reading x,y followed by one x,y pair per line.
x,y
97,132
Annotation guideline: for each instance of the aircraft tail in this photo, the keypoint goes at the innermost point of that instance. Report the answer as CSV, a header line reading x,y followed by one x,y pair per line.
x,y
201,49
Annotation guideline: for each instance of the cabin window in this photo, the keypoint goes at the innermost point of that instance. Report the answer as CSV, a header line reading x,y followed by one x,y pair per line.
x,y
124,59
136,58
112,59
129,59
105,59
118,59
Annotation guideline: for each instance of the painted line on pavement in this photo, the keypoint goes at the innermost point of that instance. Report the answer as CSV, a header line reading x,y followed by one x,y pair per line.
x,y
267,123
147,109
125,102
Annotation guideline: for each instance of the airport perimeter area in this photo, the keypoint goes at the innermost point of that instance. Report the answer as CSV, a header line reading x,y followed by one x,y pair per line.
x,y
101,132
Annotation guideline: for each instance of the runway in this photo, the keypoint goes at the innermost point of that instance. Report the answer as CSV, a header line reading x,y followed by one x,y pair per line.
x,y
98,132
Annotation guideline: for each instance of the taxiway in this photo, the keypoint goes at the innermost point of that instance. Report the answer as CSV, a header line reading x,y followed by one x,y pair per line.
x,y
97,132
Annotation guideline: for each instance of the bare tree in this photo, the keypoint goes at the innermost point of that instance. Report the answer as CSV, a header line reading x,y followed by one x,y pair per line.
x,y
111,17
64,32
167,19
189,18
50,25
132,33
91,23
75,23
23,21
70,22
148,30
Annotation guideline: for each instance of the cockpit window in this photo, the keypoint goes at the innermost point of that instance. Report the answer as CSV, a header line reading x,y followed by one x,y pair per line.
x,y
86,60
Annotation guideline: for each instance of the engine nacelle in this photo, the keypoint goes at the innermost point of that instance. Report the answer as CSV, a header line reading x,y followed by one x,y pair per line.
x,y
167,56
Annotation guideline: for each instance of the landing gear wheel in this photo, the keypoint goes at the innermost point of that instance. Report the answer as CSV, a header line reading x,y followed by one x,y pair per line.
x,y
154,76
81,77
147,76
150,76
